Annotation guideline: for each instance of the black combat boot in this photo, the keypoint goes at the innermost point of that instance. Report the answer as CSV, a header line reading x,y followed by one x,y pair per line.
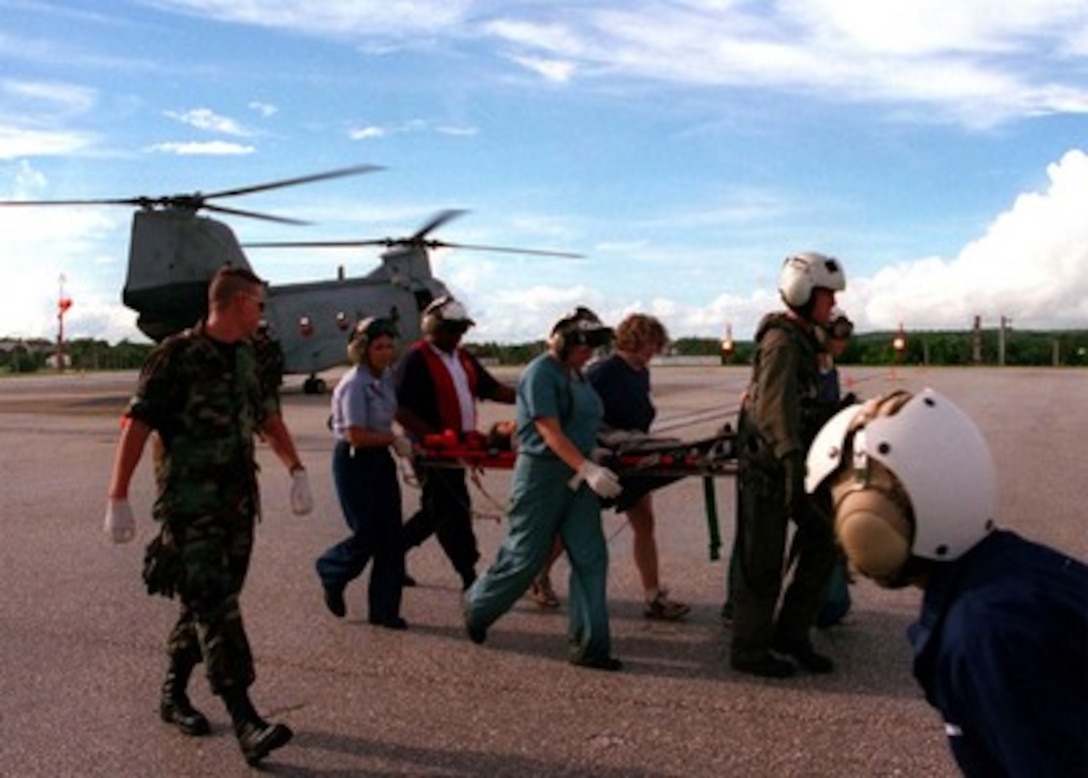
x,y
256,737
174,705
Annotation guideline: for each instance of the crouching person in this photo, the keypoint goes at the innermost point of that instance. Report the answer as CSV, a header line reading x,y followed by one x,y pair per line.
x,y
1000,645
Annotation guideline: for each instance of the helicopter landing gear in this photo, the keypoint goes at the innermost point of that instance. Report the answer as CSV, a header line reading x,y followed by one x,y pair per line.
x,y
314,385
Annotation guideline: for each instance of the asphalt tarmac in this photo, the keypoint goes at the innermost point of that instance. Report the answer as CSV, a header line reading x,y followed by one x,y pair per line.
x,y
81,644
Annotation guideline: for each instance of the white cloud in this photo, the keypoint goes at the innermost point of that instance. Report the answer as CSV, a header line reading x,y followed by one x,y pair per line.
x,y
208,148
335,18
53,96
207,119
961,61
555,70
86,246
1031,264
367,133
19,142
265,110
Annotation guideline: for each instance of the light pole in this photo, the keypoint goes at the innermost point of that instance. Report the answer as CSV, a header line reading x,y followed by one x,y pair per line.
x,y
63,304
727,345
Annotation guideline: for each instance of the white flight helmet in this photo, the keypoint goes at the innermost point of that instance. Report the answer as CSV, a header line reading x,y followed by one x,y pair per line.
x,y
801,273
910,476
448,311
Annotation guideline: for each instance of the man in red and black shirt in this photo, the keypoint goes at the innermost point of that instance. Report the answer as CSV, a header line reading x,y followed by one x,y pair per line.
x,y
438,383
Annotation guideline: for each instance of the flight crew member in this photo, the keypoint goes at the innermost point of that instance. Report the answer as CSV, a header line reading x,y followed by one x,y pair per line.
x,y
778,420
363,406
1001,642
555,491
438,383
204,394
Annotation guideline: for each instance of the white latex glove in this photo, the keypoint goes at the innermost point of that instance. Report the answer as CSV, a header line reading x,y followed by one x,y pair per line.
x,y
402,446
120,524
600,479
302,499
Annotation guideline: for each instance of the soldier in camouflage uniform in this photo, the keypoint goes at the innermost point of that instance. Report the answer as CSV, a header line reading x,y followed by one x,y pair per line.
x,y
206,393
780,417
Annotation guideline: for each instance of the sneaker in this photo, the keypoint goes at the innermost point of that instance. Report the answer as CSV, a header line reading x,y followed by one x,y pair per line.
x,y
543,594
661,608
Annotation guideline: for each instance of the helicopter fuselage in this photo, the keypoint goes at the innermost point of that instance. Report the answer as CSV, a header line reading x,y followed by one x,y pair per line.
x,y
174,253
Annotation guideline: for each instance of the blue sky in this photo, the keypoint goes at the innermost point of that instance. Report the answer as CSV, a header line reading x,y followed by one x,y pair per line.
x,y
937,148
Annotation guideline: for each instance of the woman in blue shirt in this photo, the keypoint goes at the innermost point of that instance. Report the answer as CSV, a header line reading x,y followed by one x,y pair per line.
x,y
363,406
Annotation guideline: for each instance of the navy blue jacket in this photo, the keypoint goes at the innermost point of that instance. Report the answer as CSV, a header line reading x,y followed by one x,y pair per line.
x,y
1001,650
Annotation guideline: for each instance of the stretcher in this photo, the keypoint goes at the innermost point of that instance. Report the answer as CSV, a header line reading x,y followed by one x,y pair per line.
x,y
642,461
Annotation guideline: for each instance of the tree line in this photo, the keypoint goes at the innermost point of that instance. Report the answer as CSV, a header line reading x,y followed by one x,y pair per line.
x,y
1063,348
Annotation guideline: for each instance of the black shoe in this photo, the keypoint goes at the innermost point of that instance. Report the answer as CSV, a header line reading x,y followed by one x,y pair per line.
x,y
408,581
468,578
476,634
177,710
258,739
389,622
804,653
765,666
727,612
334,601
607,663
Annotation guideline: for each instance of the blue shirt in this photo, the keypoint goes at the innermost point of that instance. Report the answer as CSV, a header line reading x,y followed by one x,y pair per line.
x,y
363,400
1001,650
546,390
625,393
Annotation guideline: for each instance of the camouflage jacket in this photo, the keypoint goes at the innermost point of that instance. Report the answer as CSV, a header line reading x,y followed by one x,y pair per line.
x,y
206,400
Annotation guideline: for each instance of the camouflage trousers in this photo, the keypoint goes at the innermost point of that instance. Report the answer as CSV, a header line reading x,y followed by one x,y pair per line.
x,y
214,552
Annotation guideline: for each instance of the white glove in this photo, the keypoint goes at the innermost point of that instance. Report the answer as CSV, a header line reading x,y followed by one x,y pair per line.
x,y
119,524
600,479
402,446
302,499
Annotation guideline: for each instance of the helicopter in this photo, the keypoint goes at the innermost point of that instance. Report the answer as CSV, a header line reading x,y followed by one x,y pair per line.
x,y
174,251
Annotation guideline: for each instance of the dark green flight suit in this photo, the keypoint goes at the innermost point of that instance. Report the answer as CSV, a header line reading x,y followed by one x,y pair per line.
x,y
780,418
206,400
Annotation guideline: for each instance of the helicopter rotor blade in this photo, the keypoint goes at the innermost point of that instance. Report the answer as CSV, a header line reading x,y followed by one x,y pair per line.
x,y
339,173
318,244
436,221
441,244
251,214
140,201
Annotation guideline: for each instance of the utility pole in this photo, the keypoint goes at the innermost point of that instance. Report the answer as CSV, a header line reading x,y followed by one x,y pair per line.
x,y
976,341
1006,325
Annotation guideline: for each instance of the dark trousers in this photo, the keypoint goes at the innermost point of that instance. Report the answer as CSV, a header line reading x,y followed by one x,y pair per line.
x,y
762,524
445,511
369,493
215,552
